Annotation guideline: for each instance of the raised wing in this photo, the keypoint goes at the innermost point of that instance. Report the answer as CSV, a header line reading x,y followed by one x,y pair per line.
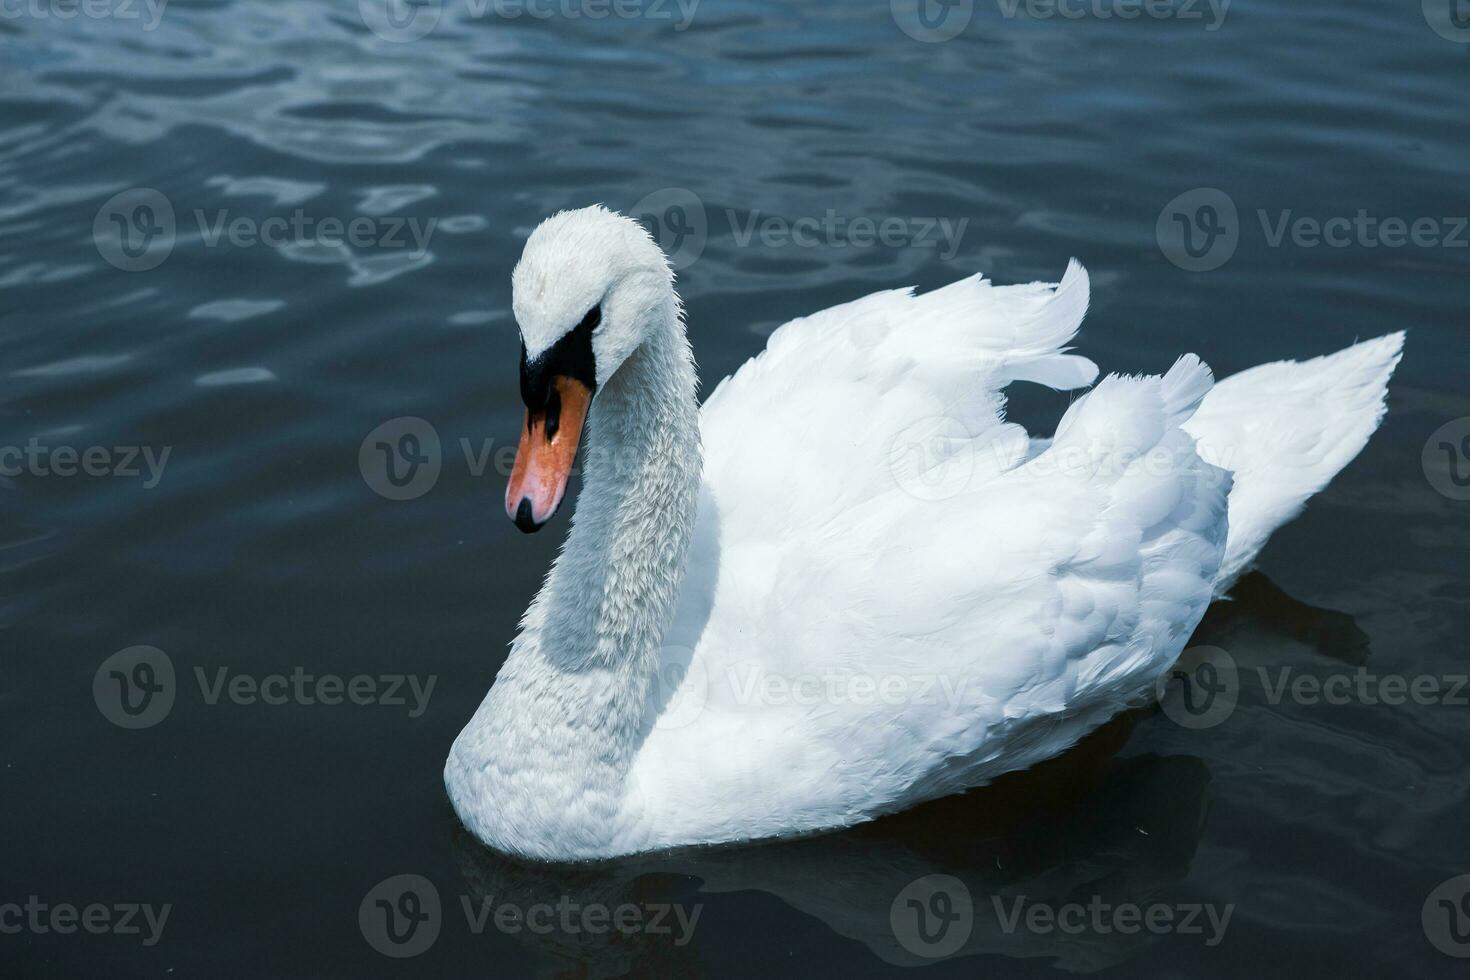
x,y
832,412
889,642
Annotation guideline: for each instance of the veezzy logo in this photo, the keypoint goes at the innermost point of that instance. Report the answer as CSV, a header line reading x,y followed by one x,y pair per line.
x,y
1446,917
134,688
934,14
400,21
401,459
678,221
933,917
1455,456
1446,459
932,21
1201,690
933,458
1199,230
135,230
1450,19
401,916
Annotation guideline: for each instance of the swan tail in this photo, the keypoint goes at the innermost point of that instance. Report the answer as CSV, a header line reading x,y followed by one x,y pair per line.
x,y
1125,417
1285,430
1158,507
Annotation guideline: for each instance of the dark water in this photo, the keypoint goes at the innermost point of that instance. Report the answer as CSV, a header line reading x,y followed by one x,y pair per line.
x,y
261,549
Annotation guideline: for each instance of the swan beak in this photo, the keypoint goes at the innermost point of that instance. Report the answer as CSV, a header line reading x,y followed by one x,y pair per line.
x,y
538,481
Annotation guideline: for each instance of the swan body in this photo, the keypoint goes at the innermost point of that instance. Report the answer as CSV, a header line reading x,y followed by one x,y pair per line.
x,y
846,585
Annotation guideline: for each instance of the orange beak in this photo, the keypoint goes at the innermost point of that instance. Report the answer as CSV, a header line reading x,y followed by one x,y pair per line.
x,y
538,481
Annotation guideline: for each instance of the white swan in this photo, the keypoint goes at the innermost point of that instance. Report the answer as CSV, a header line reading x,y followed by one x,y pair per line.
x,y
871,590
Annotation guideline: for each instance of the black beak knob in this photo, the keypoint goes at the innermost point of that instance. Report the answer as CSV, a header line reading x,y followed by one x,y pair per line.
x,y
524,521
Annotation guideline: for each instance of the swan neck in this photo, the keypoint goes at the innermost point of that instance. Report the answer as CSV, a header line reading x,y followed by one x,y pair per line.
x,y
618,579
542,768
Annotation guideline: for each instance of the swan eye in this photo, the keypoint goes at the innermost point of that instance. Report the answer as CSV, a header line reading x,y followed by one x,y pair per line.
x,y
592,320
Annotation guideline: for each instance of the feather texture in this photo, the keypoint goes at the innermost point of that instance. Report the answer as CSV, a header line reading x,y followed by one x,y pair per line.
x,y
875,590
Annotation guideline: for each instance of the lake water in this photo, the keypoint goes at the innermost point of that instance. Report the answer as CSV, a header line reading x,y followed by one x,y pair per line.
x,y
247,234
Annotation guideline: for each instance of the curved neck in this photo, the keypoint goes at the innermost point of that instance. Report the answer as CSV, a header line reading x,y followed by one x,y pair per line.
x,y
611,594
541,770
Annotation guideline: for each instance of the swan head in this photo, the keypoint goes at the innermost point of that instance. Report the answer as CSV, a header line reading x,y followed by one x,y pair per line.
x,y
590,286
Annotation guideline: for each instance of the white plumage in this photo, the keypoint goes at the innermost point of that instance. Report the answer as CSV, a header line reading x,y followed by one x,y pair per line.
x,y
875,590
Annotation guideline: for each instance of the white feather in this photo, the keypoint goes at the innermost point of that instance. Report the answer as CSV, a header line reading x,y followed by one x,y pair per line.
x,y
1285,430
875,590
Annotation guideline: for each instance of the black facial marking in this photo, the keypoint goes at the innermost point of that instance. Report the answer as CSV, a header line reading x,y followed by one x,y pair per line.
x,y
553,414
570,357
